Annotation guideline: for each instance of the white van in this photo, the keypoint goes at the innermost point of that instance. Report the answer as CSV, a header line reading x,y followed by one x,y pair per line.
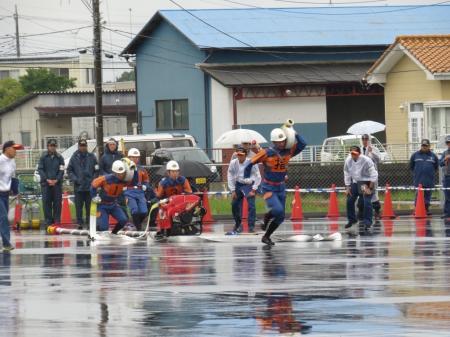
x,y
337,148
146,144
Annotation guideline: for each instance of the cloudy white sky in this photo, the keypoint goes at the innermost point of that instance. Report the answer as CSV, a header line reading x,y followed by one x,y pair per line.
x,y
49,16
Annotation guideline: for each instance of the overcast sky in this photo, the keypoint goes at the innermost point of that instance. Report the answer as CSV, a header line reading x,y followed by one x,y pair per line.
x,y
44,16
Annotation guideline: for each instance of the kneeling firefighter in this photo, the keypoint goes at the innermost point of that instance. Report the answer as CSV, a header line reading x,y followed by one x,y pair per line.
x,y
105,191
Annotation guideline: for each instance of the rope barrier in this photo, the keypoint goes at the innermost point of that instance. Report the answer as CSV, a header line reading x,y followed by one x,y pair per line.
x,y
291,190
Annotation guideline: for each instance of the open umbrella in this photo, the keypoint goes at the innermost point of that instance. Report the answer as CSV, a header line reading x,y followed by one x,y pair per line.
x,y
238,136
189,169
366,127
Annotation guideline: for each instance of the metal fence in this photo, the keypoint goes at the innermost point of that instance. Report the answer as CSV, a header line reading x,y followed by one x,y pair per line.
x,y
315,181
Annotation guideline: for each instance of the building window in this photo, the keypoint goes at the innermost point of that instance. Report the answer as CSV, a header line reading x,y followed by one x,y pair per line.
x,y
438,120
26,138
9,74
64,72
172,114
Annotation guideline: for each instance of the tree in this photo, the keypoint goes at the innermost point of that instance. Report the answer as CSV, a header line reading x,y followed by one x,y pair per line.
x,y
10,91
126,76
44,80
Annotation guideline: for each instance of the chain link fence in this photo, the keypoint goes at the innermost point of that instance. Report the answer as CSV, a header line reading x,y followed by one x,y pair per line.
x,y
313,177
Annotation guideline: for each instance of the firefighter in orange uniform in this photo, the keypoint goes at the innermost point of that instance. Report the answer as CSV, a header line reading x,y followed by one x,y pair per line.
x,y
109,188
275,160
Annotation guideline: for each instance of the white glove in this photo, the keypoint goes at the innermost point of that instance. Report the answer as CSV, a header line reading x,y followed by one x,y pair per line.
x,y
97,199
144,188
248,181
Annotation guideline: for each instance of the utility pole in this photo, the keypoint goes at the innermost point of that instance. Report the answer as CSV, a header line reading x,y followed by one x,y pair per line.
x,y
16,19
98,76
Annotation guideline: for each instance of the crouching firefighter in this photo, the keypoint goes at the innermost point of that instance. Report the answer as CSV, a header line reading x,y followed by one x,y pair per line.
x,y
105,190
135,191
275,160
172,184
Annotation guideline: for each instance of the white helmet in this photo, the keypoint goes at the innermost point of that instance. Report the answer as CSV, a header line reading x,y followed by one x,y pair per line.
x,y
277,135
172,166
118,167
133,152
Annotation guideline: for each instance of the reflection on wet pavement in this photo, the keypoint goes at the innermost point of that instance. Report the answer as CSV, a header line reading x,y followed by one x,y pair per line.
x,y
391,281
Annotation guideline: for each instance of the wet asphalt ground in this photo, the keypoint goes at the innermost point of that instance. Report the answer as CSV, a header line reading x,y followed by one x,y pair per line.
x,y
392,281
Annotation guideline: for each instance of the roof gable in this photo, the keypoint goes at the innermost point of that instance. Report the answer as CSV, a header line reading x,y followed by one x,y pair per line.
x,y
431,53
299,27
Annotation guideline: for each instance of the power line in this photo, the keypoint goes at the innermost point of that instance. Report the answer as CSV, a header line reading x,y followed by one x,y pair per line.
x,y
312,12
213,27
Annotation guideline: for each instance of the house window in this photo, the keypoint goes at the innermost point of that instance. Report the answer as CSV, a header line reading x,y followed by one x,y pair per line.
x,y
172,114
438,120
415,125
9,74
64,72
25,136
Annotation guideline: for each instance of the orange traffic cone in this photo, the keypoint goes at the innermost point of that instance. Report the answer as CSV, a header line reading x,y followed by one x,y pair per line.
x,y
333,208
297,211
66,218
388,211
420,211
208,216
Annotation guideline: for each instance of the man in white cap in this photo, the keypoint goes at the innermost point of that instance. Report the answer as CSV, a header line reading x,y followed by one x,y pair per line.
x,y
8,185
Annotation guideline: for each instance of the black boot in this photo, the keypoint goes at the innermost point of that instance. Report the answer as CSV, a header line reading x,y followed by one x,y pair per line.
x,y
267,217
137,218
266,238
117,228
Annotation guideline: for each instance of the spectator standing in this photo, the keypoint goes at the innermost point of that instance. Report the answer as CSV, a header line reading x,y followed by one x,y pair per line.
x,y
360,177
110,156
424,164
445,163
373,153
241,188
51,171
8,185
82,170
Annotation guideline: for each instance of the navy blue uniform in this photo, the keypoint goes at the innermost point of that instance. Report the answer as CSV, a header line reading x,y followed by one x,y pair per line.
x,y
51,167
424,164
82,170
108,159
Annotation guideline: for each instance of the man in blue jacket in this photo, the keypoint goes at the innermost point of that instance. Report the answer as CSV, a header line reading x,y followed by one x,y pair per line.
x,y
51,171
424,164
109,157
82,170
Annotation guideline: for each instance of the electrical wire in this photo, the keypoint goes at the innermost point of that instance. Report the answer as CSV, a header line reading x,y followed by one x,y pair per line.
x,y
313,12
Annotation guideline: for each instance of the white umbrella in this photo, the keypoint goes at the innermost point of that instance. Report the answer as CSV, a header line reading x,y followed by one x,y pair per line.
x,y
366,127
239,136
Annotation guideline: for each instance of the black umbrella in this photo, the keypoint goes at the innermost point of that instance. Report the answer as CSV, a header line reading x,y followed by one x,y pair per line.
x,y
189,169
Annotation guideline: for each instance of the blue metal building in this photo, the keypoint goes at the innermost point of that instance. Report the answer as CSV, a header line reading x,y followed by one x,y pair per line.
x,y
205,71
